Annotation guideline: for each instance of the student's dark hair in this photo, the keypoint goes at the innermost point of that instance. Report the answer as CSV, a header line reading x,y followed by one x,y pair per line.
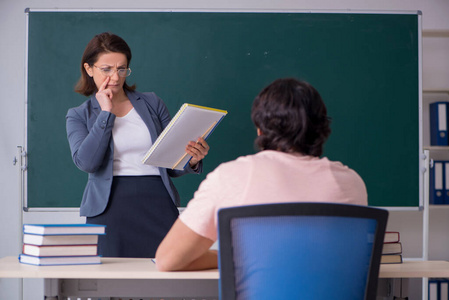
x,y
101,43
292,117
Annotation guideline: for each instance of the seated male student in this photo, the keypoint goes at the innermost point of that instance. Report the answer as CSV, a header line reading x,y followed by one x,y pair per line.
x,y
292,126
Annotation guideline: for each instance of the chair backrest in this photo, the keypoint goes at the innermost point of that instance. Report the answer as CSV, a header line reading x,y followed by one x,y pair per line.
x,y
300,251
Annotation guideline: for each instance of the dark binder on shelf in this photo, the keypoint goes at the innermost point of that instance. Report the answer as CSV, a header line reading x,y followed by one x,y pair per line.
x,y
438,289
446,183
439,123
433,289
189,123
437,182
444,288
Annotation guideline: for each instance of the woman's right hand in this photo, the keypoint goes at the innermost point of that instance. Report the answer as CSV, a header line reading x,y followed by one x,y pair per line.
x,y
104,96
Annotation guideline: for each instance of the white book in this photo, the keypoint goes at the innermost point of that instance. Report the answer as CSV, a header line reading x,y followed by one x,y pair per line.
x,y
72,239
62,260
189,123
56,250
64,229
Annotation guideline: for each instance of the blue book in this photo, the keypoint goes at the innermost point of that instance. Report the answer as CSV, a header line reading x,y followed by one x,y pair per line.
x,y
439,124
436,182
63,229
59,260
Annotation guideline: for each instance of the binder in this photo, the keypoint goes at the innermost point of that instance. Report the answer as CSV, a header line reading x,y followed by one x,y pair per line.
x,y
189,123
444,289
433,289
438,289
438,123
446,183
437,180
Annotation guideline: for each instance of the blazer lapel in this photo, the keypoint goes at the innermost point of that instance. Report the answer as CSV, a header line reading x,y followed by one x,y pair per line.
x,y
95,106
145,113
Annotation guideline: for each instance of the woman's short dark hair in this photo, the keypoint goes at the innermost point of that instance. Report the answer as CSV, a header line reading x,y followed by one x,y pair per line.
x,y
101,43
292,117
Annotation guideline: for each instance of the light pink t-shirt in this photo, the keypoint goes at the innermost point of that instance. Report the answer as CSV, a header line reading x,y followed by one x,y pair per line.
x,y
268,177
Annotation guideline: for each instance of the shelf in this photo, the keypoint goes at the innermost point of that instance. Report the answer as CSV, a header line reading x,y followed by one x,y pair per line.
x,y
436,148
438,206
435,33
436,91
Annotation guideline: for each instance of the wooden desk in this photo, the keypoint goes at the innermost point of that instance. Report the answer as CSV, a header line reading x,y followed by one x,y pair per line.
x,y
111,268
116,277
136,277
415,269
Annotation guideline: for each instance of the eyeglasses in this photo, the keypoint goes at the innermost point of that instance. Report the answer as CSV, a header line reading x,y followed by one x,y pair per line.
x,y
109,71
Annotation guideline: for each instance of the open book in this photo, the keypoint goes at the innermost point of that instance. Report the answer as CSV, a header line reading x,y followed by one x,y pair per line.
x,y
189,123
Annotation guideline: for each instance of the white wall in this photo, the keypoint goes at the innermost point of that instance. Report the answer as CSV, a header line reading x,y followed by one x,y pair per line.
x,y
12,75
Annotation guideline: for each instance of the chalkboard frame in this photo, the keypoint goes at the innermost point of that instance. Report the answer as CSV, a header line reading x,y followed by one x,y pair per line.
x,y
30,205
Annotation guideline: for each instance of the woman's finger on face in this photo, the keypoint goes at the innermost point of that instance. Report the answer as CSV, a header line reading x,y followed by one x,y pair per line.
x,y
104,84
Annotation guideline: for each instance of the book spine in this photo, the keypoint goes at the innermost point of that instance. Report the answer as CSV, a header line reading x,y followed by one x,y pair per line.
x,y
208,108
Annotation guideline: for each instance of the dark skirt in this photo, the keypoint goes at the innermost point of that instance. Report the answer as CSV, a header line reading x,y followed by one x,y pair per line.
x,y
139,214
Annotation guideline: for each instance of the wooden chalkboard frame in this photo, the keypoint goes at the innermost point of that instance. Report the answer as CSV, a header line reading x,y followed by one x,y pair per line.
x,y
44,192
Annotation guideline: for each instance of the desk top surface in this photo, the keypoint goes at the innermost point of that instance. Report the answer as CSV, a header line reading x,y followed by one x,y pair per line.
x,y
144,268
415,269
110,268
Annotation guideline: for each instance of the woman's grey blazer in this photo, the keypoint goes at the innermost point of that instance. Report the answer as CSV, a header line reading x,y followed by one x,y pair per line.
x,y
89,132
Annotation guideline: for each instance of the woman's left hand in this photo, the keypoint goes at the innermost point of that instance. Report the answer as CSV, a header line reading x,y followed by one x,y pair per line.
x,y
197,150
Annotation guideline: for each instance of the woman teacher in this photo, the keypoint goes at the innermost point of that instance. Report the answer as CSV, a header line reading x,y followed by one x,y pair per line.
x,y
109,135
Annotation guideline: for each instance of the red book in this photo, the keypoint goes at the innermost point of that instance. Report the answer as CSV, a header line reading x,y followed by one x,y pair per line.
x,y
391,237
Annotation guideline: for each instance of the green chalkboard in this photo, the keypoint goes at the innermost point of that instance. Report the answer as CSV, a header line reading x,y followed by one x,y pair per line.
x,y
365,65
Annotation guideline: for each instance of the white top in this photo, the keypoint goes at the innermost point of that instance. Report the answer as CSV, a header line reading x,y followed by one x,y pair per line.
x,y
271,177
132,140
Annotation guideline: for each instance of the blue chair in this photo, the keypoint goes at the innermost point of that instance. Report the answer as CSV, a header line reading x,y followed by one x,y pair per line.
x,y
300,251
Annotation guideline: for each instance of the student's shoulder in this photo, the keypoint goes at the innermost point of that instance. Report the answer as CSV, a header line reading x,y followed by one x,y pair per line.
x,y
240,164
343,170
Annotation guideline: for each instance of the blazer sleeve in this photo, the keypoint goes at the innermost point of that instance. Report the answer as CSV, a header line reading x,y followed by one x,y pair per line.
x,y
89,137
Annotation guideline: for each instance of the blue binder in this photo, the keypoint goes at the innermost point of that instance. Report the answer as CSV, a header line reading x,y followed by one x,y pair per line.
x,y
438,289
438,123
444,289
446,183
437,181
433,289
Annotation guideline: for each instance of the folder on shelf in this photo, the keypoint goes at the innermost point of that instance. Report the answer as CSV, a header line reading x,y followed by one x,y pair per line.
x,y
439,123
438,289
433,289
444,288
190,123
446,183
437,181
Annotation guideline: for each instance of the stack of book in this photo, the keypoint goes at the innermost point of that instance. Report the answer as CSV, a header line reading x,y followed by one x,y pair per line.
x,y
60,244
392,248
